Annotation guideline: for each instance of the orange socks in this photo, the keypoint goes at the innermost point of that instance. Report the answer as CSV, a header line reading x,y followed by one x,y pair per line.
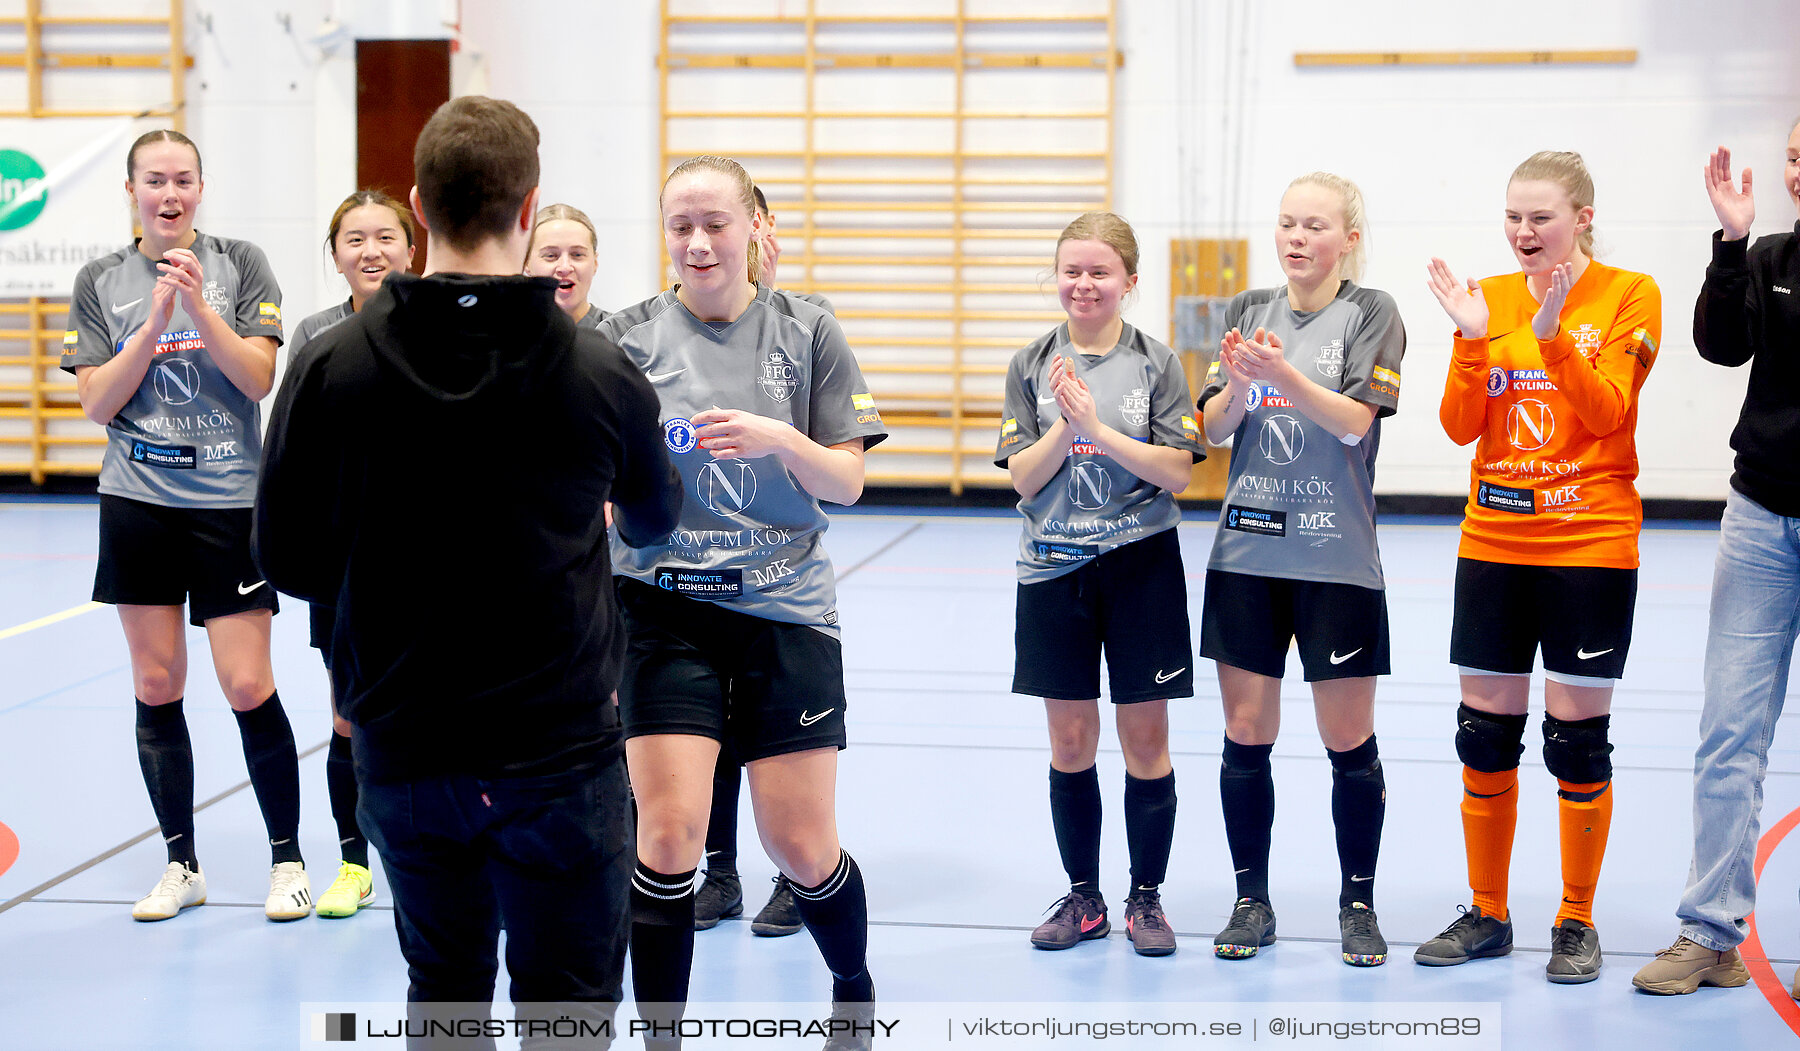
x,y
1585,813
1490,812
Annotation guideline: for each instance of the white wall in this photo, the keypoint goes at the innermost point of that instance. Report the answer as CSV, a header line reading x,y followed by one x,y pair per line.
x,y
1214,120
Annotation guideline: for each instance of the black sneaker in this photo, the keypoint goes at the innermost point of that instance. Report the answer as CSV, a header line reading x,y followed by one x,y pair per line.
x,y
1252,926
1146,925
1474,935
720,897
1078,917
781,916
1361,937
1574,953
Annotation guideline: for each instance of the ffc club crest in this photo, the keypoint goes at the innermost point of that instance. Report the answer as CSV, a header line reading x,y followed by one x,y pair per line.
x,y
1135,408
1330,362
778,376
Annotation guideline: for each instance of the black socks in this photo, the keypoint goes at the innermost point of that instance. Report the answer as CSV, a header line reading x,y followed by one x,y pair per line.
x,y
662,935
1075,814
1358,806
837,913
1149,827
722,825
1247,792
166,756
274,774
340,781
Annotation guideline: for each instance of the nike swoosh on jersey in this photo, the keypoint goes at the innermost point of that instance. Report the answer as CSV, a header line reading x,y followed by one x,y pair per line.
x,y
1335,659
1051,400
808,720
1161,678
663,376
242,590
1584,655
120,309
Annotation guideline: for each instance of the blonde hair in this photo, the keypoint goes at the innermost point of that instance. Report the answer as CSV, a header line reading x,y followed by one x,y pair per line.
x,y
1569,171
1108,229
551,213
746,196
1350,265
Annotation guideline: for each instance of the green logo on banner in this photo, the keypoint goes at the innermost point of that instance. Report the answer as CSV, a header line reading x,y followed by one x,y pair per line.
x,y
19,173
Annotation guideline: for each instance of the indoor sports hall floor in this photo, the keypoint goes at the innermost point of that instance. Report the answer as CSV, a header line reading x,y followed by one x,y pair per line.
x,y
942,800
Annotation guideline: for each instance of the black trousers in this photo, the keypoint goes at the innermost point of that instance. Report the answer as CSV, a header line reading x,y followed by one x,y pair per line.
x,y
551,853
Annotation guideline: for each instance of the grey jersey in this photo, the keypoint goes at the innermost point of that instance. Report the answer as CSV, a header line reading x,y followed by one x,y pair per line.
x,y
814,298
1092,504
189,437
313,324
1300,504
592,318
749,534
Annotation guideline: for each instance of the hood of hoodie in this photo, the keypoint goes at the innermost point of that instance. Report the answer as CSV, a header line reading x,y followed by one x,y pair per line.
x,y
465,337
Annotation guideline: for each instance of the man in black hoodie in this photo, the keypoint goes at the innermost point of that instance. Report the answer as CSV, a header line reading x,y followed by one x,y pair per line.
x,y
437,467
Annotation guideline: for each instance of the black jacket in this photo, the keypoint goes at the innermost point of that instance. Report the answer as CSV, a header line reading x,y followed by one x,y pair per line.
x,y
1749,308
436,468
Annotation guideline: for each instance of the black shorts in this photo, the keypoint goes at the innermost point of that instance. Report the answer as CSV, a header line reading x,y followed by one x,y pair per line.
x,y
1580,615
322,622
151,555
761,687
1131,601
1247,621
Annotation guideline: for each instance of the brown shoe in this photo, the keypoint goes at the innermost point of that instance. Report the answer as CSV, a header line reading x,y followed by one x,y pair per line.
x,y
1688,965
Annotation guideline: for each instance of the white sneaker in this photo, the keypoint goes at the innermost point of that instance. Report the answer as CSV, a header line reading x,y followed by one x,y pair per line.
x,y
179,887
290,892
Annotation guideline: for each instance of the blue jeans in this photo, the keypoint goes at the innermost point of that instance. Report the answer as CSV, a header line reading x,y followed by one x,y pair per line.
x,y
551,854
1749,649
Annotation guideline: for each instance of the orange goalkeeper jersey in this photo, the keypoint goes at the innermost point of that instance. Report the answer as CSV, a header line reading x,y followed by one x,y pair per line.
x,y
1555,422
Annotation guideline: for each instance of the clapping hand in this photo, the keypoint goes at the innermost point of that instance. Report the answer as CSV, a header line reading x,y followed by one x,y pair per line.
x,y
1466,305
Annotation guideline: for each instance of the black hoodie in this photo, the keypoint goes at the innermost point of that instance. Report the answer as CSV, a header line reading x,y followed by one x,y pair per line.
x,y
1749,310
436,468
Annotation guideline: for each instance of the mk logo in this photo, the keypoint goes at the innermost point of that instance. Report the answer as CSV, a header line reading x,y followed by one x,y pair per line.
x,y
1282,439
1318,520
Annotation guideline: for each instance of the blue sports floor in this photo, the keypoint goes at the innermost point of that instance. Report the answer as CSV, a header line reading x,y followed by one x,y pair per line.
x,y
942,798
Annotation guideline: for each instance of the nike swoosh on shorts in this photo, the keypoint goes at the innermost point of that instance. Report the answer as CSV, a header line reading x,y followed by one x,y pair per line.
x,y
808,720
1335,659
242,590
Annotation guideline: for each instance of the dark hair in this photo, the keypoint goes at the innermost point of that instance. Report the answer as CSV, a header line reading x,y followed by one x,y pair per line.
x,y
159,135
359,199
475,163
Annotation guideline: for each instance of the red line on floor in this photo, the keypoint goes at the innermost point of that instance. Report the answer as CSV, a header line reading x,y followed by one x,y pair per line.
x,y
9,848
1773,989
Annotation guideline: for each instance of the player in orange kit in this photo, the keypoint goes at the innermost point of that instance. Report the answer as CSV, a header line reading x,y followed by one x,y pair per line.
x,y
1544,377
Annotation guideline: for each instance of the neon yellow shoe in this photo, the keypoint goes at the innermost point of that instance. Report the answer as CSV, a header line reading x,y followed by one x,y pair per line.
x,y
353,888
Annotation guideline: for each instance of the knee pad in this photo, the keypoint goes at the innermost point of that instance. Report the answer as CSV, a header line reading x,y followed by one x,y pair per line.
x,y
1362,763
1488,742
1578,751
1245,759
